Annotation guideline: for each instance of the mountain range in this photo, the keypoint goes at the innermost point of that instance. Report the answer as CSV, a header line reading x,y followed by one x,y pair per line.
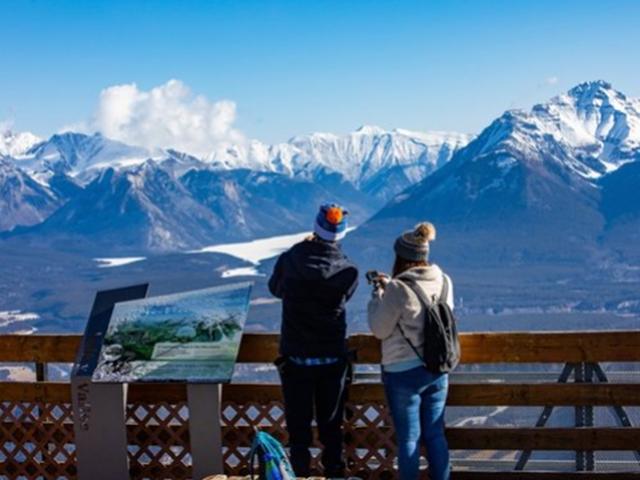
x,y
556,184
88,191
378,162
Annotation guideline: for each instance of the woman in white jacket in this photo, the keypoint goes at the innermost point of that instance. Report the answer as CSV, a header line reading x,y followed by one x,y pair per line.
x,y
416,397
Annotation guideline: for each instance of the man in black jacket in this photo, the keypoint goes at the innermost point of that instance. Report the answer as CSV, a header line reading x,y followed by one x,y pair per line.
x,y
315,279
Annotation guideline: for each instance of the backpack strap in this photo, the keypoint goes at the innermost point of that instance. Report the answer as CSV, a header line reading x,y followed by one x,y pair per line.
x,y
253,453
444,293
422,297
415,350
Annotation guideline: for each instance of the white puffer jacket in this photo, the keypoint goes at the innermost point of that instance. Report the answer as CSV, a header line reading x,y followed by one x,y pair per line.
x,y
397,303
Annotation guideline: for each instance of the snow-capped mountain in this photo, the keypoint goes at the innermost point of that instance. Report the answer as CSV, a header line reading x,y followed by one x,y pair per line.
x,y
527,189
76,159
139,208
23,201
78,155
591,130
14,144
378,162
148,208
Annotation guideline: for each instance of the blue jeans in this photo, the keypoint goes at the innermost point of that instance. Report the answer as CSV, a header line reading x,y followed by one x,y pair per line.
x,y
417,399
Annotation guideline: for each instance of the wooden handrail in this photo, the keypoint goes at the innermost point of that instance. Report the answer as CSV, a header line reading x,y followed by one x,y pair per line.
x,y
498,347
513,438
460,395
532,438
45,348
464,438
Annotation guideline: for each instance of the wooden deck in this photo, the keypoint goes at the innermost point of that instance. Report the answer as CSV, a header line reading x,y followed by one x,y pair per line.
x,y
37,431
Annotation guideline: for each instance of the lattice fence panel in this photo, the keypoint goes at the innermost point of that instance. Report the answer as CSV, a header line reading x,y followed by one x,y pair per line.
x,y
37,440
158,437
370,446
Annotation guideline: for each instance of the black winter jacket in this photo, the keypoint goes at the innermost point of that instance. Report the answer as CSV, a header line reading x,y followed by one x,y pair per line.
x,y
314,279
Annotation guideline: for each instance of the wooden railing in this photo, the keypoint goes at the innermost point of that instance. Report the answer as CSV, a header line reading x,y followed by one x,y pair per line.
x,y
38,413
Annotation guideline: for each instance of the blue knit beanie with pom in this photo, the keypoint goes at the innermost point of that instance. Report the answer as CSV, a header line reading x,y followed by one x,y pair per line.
x,y
331,223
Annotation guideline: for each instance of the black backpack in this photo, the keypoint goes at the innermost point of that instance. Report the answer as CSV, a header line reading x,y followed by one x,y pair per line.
x,y
441,349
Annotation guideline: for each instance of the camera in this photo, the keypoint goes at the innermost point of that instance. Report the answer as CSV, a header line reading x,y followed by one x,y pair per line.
x,y
375,278
372,275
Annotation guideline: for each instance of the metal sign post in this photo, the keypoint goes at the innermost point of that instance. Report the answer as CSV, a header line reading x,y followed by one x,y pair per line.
x,y
205,430
99,410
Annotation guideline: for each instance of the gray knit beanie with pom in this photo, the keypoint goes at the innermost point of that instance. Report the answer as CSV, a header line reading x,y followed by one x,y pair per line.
x,y
413,245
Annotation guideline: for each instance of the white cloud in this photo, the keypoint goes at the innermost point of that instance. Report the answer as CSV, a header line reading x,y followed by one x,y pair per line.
x,y
167,116
551,80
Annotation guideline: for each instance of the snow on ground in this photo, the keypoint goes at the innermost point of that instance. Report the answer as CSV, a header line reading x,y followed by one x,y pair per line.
x,y
256,250
17,374
242,272
13,318
264,301
479,420
253,252
117,261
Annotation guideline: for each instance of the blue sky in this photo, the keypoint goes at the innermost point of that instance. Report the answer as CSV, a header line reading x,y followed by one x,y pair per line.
x,y
298,67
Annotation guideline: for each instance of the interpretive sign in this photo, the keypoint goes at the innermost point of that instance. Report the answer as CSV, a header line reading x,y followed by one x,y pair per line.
x,y
99,410
186,337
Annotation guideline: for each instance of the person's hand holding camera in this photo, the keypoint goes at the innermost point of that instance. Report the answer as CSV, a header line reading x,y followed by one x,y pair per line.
x,y
379,280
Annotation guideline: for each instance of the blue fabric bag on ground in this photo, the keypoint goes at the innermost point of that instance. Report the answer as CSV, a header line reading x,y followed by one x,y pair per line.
x,y
272,459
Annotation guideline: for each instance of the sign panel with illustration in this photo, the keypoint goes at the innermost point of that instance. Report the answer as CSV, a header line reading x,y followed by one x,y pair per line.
x,y
192,336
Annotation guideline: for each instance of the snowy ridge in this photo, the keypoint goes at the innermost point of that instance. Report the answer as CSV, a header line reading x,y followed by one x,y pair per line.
x,y
15,144
364,157
358,156
77,155
592,130
600,126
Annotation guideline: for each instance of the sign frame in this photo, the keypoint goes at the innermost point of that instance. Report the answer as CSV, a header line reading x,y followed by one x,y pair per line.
x,y
100,407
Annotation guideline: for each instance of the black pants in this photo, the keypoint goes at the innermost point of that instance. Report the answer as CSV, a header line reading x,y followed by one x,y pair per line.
x,y
323,387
